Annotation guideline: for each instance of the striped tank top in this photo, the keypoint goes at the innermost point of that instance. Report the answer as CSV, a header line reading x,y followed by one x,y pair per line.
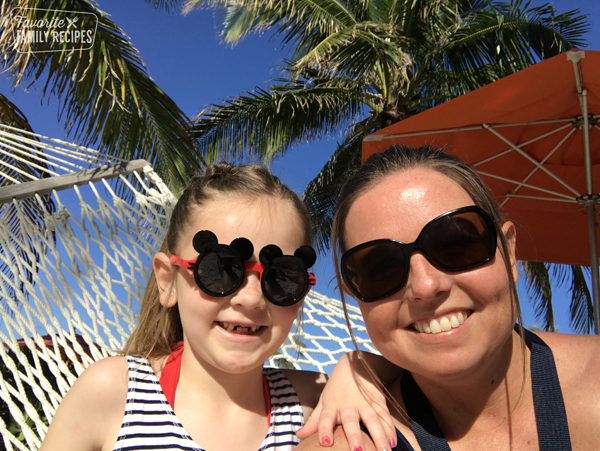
x,y
150,423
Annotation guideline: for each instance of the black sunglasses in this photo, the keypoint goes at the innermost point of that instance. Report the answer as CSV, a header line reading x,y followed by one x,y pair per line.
x,y
220,270
459,240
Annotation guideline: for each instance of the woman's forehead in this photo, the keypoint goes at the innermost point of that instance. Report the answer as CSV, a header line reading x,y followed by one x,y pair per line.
x,y
402,200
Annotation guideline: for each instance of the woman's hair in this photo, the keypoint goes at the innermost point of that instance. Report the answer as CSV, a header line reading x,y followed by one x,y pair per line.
x,y
401,158
159,328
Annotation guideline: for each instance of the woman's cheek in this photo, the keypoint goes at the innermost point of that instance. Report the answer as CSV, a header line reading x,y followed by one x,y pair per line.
x,y
381,319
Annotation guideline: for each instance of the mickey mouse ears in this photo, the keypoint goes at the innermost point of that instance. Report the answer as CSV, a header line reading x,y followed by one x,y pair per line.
x,y
305,254
205,240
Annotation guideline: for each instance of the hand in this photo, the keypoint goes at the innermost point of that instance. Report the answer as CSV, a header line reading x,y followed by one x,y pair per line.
x,y
349,397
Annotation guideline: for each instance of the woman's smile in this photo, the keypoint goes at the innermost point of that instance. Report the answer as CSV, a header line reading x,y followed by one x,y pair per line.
x,y
441,323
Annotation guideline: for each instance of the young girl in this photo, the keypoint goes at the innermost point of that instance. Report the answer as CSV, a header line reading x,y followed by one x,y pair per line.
x,y
225,290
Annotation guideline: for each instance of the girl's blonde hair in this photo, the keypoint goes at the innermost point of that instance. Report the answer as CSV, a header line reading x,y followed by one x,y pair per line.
x,y
159,328
401,158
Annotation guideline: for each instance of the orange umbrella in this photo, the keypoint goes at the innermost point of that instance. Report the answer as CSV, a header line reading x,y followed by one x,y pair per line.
x,y
533,138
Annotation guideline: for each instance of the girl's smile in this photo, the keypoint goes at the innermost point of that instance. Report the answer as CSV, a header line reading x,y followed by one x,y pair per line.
x,y
235,333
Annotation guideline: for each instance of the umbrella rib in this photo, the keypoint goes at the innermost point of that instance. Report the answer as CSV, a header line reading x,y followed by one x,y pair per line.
x,y
552,199
545,159
486,126
545,135
375,137
537,188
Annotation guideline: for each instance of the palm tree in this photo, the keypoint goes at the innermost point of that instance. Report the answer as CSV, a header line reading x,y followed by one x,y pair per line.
x,y
106,99
106,96
359,66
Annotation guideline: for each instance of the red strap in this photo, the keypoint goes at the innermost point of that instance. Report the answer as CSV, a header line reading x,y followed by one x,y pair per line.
x,y
170,374
267,392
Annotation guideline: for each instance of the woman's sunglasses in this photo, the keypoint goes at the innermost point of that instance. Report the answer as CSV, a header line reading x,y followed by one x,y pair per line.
x,y
459,240
220,270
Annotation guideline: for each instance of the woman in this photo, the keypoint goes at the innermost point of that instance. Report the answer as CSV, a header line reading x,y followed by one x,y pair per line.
x,y
444,308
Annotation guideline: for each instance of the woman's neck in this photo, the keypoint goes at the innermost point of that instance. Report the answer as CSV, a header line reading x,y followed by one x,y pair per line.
x,y
488,394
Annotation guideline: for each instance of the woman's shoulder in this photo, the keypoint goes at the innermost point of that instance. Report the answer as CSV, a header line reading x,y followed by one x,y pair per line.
x,y
578,368
92,409
575,355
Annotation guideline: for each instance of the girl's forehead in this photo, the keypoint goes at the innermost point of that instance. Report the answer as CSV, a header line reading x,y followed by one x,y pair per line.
x,y
264,220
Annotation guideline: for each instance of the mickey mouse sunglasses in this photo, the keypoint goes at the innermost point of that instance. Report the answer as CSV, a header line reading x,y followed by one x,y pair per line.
x,y
459,240
220,270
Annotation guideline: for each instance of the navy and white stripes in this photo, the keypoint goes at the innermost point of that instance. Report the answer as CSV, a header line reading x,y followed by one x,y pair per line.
x,y
150,423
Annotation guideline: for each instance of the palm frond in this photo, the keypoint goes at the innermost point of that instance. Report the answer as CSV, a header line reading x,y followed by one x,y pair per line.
x,y
106,96
19,167
166,5
355,51
322,192
540,292
291,19
581,308
263,124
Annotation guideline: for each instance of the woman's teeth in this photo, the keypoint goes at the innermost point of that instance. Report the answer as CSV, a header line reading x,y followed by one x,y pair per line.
x,y
231,327
443,324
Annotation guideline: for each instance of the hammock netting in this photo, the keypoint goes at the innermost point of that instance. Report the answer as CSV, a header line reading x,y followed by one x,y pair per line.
x,y
78,230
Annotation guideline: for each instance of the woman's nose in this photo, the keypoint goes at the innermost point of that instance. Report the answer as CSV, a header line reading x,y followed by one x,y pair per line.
x,y
250,295
425,281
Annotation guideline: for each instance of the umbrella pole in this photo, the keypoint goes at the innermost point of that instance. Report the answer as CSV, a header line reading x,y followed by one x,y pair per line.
x,y
590,202
590,205
591,199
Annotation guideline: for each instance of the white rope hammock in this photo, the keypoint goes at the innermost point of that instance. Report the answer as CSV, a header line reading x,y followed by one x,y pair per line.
x,y
72,279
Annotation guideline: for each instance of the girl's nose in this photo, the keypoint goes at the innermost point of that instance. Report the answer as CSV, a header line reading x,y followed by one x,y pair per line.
x,y
250,295
425,281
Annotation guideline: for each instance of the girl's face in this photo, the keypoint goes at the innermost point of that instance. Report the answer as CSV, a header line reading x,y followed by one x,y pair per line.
x,y
398,207
237,333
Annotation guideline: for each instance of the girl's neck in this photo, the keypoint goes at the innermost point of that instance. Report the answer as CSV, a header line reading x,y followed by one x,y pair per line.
x,y
217,387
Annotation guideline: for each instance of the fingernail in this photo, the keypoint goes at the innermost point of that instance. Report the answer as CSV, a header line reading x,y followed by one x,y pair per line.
x,y
325,440
358,448
392,443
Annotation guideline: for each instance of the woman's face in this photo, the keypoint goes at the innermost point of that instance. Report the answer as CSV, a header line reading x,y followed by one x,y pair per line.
x,y
398,207
236,333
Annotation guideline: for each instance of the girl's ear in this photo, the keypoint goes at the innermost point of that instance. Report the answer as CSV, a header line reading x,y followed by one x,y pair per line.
x,y
509,230
163,271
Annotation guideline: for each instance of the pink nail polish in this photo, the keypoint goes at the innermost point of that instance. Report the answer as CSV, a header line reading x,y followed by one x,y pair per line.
x,y
392,443
325,440
358,448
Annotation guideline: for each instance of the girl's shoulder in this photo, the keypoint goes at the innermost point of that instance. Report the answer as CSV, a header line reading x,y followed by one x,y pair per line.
x,y
93,408
308,385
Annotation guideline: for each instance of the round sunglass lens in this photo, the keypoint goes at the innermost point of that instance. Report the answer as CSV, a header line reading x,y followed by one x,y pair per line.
x,y
285,283
460,241
220,273
376,271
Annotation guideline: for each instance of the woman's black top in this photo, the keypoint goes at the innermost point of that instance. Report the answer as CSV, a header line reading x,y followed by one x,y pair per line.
x,y
551,418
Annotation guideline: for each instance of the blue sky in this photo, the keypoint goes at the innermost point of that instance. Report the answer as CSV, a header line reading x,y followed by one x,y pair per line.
x,y
187,60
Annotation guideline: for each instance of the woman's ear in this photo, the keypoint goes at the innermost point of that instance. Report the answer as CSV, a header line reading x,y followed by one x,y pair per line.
x,y
510,232
346,290
163,271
